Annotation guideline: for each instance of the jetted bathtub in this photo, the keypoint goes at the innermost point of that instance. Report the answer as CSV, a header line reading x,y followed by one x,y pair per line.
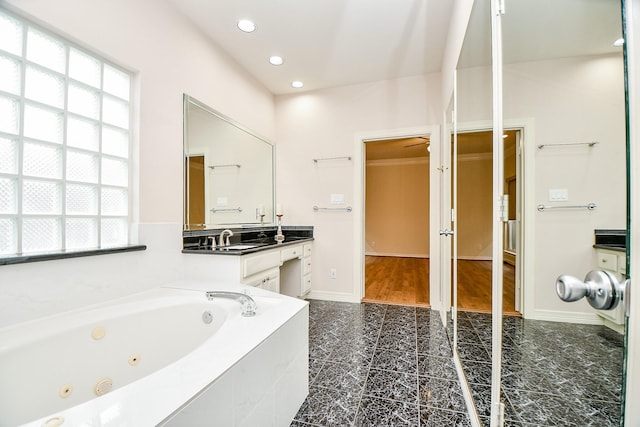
x,y
154,357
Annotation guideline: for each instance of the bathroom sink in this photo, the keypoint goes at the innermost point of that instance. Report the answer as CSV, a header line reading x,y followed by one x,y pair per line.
x,y
241,247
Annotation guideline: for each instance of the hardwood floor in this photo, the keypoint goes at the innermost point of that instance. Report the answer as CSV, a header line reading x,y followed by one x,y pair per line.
x,y
397,280
406,281
474,287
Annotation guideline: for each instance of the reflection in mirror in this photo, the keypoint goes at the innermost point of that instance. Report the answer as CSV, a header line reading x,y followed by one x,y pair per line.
x,y
563,85
228,171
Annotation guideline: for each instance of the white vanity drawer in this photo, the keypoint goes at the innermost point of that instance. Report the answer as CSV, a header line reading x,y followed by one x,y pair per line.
x,y
607,261
262,262
306,266
291,253
306,285
307,250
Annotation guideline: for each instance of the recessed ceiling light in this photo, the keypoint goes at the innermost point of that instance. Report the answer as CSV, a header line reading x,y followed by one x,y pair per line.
x,y
276,60
618,42
246,25
297,84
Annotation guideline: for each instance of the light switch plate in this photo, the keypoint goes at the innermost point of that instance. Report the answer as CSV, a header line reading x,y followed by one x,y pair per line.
x,y
558,195
337,199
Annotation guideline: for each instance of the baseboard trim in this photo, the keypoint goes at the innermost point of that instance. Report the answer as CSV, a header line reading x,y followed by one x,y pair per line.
x,y
563,316
398,255
332,296
474,258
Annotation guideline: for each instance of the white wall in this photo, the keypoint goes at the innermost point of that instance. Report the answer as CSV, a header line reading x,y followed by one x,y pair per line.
x,y
397,188
169,58
567,100
325,124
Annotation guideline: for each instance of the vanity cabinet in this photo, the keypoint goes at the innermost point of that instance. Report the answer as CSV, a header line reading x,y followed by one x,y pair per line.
x,y
295,271
613,262
286,269
268,280
306,270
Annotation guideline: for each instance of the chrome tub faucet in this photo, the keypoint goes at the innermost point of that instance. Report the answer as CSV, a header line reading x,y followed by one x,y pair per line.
x,y
248,304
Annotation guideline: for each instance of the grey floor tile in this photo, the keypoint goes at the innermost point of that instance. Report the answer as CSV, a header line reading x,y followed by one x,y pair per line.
x,y
392,385
435,346
437,367
315,365
326,407
434,417
376,412
441,394
342,376
394,340
349,352
399,361
366,356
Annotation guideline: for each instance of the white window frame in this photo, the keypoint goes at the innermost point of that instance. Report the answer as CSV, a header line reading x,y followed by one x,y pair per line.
x,y
61,218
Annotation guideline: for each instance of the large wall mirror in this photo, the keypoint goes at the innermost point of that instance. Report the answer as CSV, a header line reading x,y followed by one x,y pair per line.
x,y
228,171
564,116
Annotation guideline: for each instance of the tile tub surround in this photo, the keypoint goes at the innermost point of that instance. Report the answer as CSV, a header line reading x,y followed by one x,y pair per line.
x,y
553,374
379,365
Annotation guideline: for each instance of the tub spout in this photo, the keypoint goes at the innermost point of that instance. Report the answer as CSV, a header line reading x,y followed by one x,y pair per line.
x,y
248,303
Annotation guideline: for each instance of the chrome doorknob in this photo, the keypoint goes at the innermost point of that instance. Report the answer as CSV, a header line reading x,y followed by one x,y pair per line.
x,y
602,289
571,288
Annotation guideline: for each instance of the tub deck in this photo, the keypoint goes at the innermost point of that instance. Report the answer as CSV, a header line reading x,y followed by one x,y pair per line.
x,y
162,394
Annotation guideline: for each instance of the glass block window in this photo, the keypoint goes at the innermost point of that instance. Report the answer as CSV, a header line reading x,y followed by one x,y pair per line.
x,y
65,117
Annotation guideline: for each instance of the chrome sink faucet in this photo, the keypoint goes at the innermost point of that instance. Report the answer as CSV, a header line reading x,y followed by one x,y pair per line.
x,y
248,304
223,242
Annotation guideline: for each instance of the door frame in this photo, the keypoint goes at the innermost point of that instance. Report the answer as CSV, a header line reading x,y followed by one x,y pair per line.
x,y
526,126
632,39
359,162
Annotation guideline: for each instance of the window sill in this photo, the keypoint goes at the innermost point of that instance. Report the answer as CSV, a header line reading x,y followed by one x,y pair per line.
x,y
49,256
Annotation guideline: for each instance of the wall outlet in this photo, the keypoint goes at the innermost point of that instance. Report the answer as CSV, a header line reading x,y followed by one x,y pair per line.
x,y
333,273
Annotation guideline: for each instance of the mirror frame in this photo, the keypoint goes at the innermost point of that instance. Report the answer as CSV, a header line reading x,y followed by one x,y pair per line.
x,y
269,219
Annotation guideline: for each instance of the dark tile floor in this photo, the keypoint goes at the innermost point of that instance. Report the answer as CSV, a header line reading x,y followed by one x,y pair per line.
x,y
385,365
553,374
379,365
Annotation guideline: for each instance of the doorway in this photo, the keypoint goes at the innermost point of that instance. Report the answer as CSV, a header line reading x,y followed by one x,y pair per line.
x,y
474,219
195,192
397,221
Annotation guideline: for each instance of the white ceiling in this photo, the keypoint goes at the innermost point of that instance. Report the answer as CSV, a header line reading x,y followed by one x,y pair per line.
x,y
535,30
327,43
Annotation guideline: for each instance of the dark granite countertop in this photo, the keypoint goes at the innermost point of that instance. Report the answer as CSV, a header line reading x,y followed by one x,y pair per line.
x,y
206,250
260,238
612,239
611,247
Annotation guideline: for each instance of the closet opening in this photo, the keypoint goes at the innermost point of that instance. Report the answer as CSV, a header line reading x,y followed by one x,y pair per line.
x,y
397,221
474,221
